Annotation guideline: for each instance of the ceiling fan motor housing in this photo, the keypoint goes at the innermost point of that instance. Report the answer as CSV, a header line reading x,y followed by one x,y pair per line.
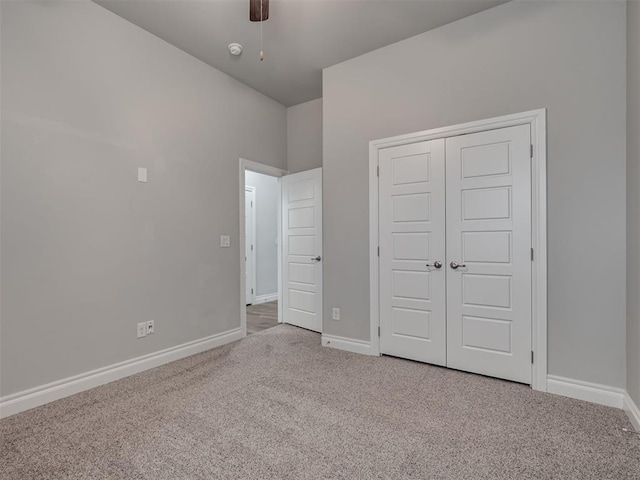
x,y
258,12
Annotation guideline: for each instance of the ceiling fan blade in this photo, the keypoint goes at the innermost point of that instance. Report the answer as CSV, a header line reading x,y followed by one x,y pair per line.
x,y
254,10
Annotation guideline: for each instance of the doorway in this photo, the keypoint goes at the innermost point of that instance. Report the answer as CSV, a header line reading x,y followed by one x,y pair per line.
x,y
458,252
280,247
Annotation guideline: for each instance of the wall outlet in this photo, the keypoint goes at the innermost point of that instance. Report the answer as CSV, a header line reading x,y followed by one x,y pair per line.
x,y
225,241
335,313
142,329
142,175
150,327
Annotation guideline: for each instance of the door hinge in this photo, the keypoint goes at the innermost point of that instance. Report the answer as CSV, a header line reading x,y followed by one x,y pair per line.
x,y
378,171
252,204
532,254
378,251
532,357
252,248
252,291
531,150
378,331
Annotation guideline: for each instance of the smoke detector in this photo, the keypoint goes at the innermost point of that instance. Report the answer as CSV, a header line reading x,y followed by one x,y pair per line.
x,y
235,49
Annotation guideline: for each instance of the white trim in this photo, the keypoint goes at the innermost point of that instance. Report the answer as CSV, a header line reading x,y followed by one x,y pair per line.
x,y
273,172
632,411
265,298
254,263
34,397
348,344
589,392
537,120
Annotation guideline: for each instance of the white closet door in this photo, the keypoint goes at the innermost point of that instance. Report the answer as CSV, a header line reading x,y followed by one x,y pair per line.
x,y
412,243
489,236
302,249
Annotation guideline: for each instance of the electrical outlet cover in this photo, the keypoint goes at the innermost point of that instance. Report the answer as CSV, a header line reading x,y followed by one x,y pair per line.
x,y
150,327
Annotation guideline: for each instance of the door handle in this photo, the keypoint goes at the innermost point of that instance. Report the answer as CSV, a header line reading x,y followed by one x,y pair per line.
x,y
436,264
317,259
455,265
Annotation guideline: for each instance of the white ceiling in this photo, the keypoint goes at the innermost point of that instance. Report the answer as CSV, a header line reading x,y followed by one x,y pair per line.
x,y
301,37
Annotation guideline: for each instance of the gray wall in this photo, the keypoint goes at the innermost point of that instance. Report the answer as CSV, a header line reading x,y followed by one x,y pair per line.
x,y
633,200
266,203
87,250
566,56
304,136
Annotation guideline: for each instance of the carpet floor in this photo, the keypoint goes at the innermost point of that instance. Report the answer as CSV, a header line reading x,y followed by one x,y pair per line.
x,y
277,405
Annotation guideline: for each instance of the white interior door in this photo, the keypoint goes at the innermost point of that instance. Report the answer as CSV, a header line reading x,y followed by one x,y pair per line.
x,y
302,249
489,237
249,238
412,251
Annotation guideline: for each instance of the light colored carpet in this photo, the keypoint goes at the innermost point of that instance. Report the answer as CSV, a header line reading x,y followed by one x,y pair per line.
x,y
276,405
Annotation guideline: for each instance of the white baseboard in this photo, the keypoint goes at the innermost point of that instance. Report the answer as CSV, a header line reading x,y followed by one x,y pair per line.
x,y
632,411
348,344
589,392
272,297
34,397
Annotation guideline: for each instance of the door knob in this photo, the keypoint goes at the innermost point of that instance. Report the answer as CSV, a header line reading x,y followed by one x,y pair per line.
x,y
317,259
436,264
455,265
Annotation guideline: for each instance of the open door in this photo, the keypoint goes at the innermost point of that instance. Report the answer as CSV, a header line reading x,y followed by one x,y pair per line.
x,y
302,249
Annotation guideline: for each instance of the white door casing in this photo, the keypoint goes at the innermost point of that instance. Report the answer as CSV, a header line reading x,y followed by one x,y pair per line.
x,y
412,251
302,249
250,251
489,235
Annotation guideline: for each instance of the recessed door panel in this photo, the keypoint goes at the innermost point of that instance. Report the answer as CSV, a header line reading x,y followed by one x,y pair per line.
x,y
302,301
486,203
485,247
486,160
411,207
411,246
492,291
301,217
411,323
410,285
301,190
411,169
301,273
412,231
301,245
487,334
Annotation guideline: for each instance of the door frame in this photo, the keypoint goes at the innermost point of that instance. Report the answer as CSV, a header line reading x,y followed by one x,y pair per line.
x,y
254,286
272,172
537,121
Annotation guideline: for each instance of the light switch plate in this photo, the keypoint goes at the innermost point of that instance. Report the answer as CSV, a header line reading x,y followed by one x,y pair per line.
x,y
225,241
142,329
142,175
